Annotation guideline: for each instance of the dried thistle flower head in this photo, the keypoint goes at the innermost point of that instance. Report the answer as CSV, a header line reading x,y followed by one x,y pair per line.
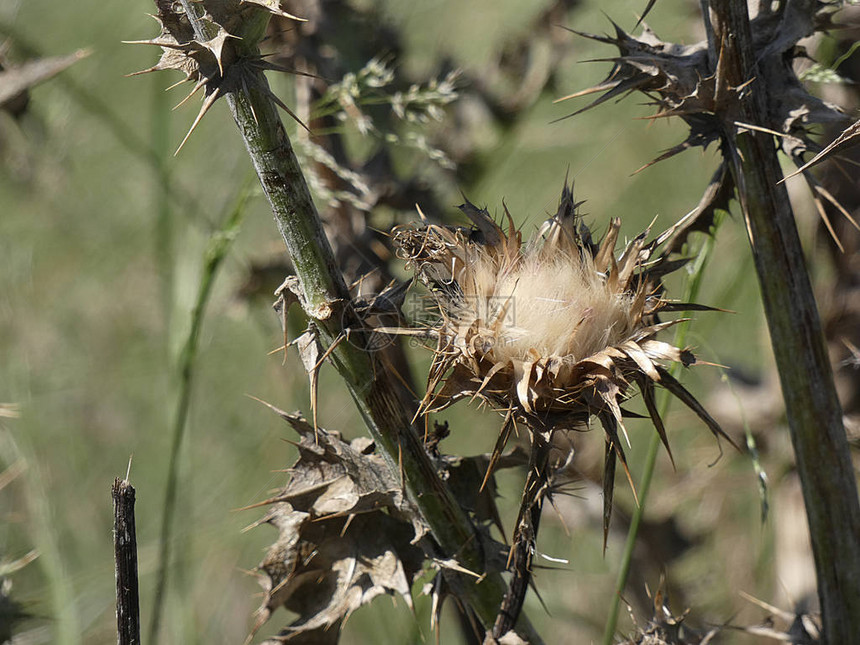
x,y
552,331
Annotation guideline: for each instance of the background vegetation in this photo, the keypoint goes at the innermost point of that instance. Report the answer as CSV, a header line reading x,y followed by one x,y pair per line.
x,y
99,269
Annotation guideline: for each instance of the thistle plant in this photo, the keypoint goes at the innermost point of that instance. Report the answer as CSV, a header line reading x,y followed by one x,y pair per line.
x,y
219,54
739,87
551,333
692,82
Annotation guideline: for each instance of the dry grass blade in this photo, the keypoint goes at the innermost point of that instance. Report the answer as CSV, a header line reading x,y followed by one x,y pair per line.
x,y
19,78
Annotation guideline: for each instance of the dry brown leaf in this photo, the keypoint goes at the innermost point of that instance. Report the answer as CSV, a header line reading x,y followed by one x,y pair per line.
x,y
222,62
849,138
346,535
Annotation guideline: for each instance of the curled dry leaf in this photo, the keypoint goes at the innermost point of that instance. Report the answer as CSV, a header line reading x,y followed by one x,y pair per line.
x,y
346,535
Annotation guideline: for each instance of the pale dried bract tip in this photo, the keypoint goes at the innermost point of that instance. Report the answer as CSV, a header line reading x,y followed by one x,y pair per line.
x,y
552,331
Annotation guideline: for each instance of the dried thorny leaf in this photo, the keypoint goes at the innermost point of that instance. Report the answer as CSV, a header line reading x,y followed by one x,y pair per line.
x,y
310,352
849,138
798,627
670,630
335,566
219,57
346,535
690,82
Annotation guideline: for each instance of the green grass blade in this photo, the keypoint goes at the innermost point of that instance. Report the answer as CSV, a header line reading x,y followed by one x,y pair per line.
x,y
216,252
694,282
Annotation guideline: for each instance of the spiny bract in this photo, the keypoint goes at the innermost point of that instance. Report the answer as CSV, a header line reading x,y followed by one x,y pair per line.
x,y
217,51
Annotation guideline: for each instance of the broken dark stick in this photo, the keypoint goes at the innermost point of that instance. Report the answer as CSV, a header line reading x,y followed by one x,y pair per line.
x,y
125,557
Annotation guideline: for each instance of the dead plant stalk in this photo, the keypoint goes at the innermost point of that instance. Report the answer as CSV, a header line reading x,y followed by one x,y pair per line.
x,y
812,407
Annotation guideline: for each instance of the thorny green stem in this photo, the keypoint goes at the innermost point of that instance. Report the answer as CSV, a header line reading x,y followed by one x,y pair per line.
x,y
216,251
691,293
812,407
327,302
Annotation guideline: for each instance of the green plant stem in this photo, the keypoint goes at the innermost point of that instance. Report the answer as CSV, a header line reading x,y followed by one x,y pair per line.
x,y
812,407
62,597
691,293
216,251
327,301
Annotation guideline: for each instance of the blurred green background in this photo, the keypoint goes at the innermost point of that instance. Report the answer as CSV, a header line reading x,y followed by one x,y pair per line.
x,y
99,271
